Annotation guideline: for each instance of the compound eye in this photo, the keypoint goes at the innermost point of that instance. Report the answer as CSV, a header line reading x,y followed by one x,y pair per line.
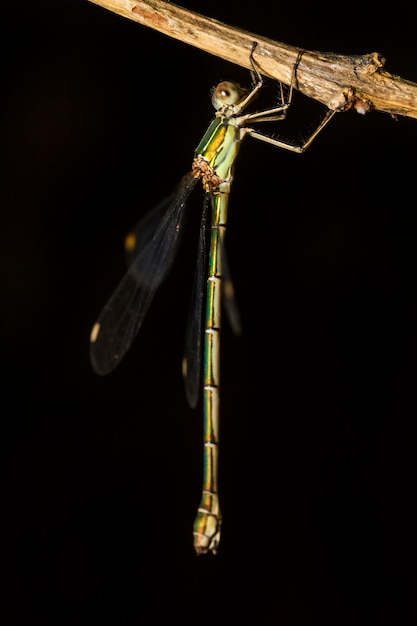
x,y
227,93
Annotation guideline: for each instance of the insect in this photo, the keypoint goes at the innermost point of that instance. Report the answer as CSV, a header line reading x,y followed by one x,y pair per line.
x,y
154,243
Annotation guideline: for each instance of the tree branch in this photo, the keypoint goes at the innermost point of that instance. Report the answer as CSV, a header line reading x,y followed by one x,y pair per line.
x,y
333,79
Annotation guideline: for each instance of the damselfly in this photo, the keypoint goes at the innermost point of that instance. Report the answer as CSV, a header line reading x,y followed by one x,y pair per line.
x,y
154,243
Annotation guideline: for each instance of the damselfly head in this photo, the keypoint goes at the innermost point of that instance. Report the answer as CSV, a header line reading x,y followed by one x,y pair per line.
x,y
227,94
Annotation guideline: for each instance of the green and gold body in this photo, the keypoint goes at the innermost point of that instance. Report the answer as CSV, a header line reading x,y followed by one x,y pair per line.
x,y
213,162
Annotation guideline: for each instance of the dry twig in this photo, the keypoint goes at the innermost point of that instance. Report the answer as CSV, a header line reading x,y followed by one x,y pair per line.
x,y
329,78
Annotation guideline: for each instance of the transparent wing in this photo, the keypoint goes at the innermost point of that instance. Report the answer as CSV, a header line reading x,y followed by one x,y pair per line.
x,y
191,364
156,246
229,299
144,230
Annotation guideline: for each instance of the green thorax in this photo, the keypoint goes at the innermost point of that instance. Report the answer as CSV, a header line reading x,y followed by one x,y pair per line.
x,y
220,146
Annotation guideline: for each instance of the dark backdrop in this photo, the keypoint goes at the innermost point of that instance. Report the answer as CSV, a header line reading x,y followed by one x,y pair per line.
x,y
101,476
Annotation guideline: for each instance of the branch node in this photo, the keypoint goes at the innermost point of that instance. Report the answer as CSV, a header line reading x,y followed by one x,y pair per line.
x,y
369,64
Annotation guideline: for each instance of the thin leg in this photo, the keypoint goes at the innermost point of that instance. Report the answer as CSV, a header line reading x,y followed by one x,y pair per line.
x,y
288,146
277,113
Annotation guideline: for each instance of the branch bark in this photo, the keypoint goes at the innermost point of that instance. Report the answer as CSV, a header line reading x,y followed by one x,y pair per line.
x,y
332,79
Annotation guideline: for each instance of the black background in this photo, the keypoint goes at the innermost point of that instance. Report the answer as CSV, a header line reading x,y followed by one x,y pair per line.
x,y
101,476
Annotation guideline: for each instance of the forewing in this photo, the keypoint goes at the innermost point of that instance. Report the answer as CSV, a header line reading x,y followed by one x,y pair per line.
x,y
191,365
123,315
